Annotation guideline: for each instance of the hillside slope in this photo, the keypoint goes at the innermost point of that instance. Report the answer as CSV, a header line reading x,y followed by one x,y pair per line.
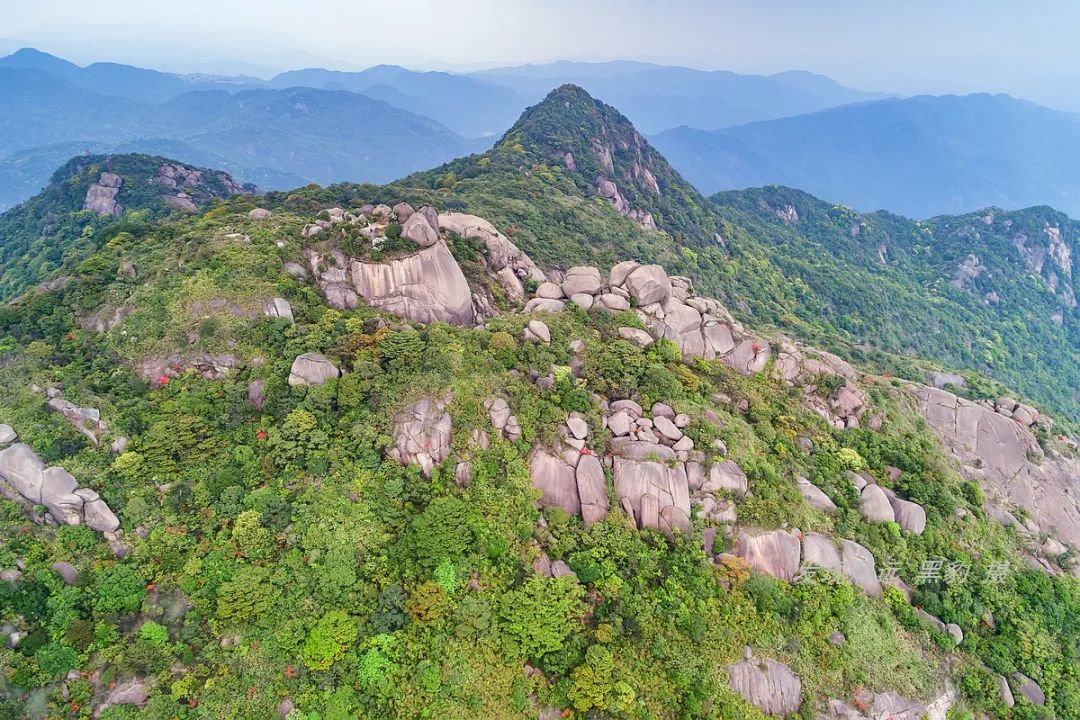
x,y
348,459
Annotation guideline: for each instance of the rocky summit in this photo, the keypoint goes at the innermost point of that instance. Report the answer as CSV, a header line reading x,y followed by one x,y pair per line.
x,y
501,440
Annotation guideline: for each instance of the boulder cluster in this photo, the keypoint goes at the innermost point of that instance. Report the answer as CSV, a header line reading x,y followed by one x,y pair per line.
x,y
425,286
26,480
786,554
880,504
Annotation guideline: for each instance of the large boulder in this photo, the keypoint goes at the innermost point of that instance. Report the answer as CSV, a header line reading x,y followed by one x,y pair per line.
x,y
910,516
648,284
101,196
1029,689
1004,457
815,497
312,369
556,479
7,434
592,489
427,286
767,685
419,230
775,553
278,308
422,434
858,566
875,506
650,488
581,279
726,476
23,470
820,551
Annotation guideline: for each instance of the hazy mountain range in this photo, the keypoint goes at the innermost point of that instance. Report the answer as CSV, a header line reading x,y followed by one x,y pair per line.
x,y
920,156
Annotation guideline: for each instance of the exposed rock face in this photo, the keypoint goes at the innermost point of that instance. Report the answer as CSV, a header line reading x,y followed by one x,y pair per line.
x,y
994,450
25,479
101,196
820,551
312,369
815,497
425,287
419,230
768,685
132,692
592,489
874,505
656,494
278,308
803,366
504,260
775,553
211,367
858,566
882,706
422,434
553,476
1029,689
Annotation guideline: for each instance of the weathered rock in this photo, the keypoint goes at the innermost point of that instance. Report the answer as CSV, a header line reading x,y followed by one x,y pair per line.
x,y
550,291
619,423
630,407
815,497
65,570
858,566
537,331
726,476
658,494
775,553
1005,691
909,515
614,302
133,692
7,435
101,196
875,506
767,685
1006,460
544,305
278,308
639,337
419,230
256,394
667,428
820,551
581,279
582,300
312,369
311,230
560,568
427,286
260,214
556,480
648,284
577,426
618,273
592,489
422,434
296,270
1029,689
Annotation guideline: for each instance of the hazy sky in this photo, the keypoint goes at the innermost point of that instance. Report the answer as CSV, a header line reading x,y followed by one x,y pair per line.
x,y
896,45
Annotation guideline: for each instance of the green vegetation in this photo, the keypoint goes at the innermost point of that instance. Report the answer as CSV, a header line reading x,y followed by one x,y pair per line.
x,y
282,554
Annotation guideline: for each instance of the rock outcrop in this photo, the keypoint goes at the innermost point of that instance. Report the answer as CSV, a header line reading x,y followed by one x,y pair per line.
x,y
25,479
996,449
422,434
312,369
769,686
775,553
101,196
425,287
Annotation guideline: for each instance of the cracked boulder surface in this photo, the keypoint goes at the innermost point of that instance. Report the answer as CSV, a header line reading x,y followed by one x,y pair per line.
x,y
1004,457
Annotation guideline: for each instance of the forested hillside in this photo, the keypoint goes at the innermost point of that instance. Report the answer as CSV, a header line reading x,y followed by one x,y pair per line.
x,y
290,497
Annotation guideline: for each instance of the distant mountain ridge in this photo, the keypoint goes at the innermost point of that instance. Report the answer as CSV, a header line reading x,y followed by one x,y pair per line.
x,y
918,156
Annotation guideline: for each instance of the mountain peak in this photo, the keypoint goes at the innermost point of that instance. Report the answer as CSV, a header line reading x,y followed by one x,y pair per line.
x,y
606,157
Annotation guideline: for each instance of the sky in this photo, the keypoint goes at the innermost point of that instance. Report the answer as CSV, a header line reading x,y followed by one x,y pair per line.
x,y
1025,47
